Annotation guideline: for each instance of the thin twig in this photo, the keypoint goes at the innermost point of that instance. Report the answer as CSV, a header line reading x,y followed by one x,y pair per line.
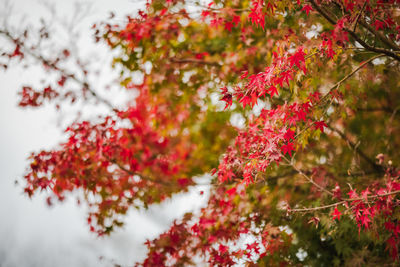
x,y
336,85
53,66
387,41
148,178
132,173
344,201
328,17
308,178
358,16
357,149
193,60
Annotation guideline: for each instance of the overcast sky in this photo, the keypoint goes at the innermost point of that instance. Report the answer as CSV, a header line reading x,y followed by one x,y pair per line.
x,y
32,234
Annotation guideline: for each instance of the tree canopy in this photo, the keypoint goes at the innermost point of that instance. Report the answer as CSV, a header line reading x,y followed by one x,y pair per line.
x,y
291,106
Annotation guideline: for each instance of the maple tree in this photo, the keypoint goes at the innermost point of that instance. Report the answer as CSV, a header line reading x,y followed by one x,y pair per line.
x,y
311,171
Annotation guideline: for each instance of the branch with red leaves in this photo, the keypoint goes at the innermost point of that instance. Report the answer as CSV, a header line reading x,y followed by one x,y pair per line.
x,y
325,13
342,202
65,74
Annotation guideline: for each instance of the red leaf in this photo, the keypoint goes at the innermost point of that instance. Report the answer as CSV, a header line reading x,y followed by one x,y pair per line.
x,y
288,148
228,26
307,8
273,91
365,220
320,125
337,192
244,74
231,191
336,214
364,194
289,135
236,20
352,194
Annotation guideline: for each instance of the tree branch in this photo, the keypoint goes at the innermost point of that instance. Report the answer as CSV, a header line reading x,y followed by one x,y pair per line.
x,y
328,17
150,179
193,60
54,66
356,149
358,16
389,43
349,75
308,178
344,201
384,40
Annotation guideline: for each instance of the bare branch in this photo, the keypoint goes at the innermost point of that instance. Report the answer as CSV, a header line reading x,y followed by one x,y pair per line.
x,y
358,16
356,149
193,60
308,178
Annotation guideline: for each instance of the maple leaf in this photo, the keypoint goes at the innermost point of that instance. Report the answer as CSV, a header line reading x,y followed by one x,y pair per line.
x,y
236,20
298,59
285,76
244,74
256,15
379,25
364,194
222,249
289,135
336,214
228,175
352,194
216,22
272,90
228,26
365,220
246,100
314,97
320,125
205,14
227,97
307,8
288,148
337,192
301,114
231,191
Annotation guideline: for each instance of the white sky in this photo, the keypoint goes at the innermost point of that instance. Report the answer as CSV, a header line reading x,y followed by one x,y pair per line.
x,y
31,234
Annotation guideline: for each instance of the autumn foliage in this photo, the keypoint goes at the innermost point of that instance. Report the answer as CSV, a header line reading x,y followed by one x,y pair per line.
x,y
291,106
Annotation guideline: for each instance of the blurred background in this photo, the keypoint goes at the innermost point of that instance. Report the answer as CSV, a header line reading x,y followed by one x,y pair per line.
x,y
32,233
